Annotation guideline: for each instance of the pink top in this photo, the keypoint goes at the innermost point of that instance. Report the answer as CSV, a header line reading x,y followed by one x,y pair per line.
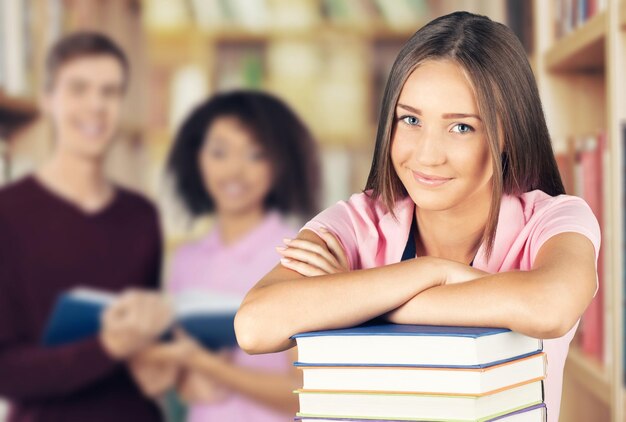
x,y
371,238
209,264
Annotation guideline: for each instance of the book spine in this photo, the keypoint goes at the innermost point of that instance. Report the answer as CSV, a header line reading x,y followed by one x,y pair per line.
x,y
13,35
624,244
591,157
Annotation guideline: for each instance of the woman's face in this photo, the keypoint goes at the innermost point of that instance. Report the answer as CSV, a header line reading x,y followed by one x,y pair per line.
x,y
235,170
439,146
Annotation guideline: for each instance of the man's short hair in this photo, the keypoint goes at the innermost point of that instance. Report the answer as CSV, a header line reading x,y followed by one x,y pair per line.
x,y
82,44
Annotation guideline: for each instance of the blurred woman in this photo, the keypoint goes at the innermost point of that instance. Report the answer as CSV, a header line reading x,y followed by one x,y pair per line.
x,y
249,160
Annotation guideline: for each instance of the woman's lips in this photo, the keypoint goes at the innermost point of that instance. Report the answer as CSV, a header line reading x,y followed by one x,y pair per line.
x,y
429,180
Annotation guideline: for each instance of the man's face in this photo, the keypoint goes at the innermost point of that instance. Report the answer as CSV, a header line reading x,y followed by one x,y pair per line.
x,y
84,103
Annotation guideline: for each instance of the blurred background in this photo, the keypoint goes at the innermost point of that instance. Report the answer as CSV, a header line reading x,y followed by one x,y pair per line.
x,y
329,60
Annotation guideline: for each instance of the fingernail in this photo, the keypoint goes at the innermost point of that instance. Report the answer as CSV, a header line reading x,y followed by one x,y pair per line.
x,y
280,248
287,240
285,260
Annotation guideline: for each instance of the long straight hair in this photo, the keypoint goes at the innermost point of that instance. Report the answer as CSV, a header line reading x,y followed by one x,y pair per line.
x,y
508,102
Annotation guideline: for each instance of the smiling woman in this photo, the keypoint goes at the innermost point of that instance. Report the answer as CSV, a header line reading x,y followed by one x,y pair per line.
x,y
248,159
440,152
463,165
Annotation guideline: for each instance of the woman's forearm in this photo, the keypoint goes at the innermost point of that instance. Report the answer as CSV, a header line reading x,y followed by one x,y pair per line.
x,y
272,313
274,390
522,301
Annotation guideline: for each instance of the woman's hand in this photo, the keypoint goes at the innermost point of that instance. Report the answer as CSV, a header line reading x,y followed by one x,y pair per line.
x,y
447,273
456,272
310,259
158,368
197,387
134,321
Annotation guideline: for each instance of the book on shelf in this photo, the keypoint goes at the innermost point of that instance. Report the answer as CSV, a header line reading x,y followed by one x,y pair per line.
x,y
402,15
589,153
357,14
16,47
239,66
565,158
206,316
623,184
571,14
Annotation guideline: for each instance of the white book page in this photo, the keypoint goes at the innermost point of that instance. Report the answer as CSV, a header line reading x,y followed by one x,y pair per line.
x,y
205,302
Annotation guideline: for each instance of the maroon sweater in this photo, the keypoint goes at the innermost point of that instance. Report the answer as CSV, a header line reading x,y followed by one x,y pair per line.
x,y
47,246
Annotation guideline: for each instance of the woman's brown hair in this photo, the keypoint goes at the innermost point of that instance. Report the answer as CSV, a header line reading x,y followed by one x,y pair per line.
x,y
508,102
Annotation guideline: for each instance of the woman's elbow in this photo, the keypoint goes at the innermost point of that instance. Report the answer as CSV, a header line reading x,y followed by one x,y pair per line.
x,y
247,334
255,335
550,325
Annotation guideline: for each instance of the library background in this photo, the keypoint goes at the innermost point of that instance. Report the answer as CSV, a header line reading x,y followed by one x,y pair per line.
x,y
329,60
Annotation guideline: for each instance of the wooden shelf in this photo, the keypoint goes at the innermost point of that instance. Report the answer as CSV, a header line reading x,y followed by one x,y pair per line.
x,y
15,112
589,374
379,32
582,50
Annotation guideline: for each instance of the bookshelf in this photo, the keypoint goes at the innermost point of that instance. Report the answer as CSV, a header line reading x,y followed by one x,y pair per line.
x,y
14,112
329,61
580,78
581,50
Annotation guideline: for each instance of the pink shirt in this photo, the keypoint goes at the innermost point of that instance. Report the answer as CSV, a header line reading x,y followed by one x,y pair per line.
x,y
209,264
371,238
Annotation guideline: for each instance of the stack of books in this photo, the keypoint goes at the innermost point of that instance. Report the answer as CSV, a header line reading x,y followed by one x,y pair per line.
x,y
388,372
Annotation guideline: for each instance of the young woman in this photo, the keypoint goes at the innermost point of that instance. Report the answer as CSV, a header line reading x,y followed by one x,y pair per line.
x,y
464,175
247,158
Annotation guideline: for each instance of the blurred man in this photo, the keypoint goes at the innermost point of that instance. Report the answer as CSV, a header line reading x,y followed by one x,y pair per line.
x,y
67,226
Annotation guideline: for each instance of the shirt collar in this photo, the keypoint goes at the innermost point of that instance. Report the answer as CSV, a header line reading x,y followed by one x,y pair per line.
x,y
250,241
510,223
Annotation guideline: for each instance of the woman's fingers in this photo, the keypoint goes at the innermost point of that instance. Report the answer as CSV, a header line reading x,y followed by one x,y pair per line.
x,y
335,248
314,248
303,268
307,257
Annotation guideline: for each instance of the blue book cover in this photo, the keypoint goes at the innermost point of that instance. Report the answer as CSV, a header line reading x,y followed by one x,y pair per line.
x,y
384,344
376,329
207,317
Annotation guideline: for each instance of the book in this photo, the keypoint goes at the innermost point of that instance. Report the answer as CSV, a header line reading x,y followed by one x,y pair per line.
x,y
206,316
591,152
623,228
402,406
15,56
536,413
408,379
572,14
424,345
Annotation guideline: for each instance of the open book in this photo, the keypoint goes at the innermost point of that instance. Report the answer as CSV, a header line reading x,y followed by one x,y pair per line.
x,y
206,316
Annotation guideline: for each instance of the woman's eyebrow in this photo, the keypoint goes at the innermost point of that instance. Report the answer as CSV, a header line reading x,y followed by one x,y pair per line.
x,y
445,116
460,116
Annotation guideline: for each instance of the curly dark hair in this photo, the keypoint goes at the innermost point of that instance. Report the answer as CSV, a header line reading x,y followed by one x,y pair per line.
x,y
289,146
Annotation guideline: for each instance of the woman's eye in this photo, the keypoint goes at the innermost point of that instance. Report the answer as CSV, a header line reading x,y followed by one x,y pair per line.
x,y
217,152
462,128
410,120
257,156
